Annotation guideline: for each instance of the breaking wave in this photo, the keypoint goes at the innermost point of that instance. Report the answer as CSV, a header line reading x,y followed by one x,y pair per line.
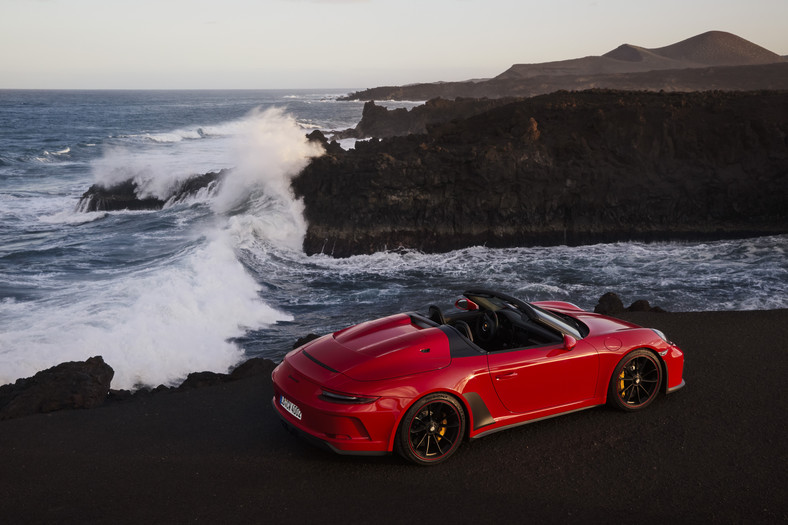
x,y
160,295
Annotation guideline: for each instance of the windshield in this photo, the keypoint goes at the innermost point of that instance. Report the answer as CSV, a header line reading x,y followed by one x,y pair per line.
x,y
556,322
496,301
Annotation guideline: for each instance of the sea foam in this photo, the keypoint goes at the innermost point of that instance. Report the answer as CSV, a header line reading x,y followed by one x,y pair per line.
x,y
153,326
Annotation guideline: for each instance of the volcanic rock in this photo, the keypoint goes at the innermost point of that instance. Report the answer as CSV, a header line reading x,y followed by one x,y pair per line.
x,y
67,385
122,196
377,121
301,341
249,368
565,168
252,367
611,304
126,195
202,379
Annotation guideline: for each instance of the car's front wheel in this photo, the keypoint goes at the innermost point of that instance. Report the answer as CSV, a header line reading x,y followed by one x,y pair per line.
x,y
432,429
635,381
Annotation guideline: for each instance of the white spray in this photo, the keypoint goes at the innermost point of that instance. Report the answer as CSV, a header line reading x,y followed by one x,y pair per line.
x,y
270,152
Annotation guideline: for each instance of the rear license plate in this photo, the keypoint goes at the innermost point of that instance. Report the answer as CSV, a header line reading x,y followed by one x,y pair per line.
x,y
290,407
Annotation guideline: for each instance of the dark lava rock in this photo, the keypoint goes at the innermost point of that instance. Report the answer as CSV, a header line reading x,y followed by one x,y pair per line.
x,y
301,341
565,168
377,121
611,304
252,367
86,385
124,196
121,196
202,379
67,385
331,147
642,305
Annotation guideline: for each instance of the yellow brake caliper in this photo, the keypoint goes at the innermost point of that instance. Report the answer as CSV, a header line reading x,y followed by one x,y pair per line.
x,y
443,428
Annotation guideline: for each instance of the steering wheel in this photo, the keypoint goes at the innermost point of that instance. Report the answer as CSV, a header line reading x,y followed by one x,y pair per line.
x,y
487,327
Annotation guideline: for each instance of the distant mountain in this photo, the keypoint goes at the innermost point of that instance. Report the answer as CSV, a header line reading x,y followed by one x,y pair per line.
x,y
714,48
718,60
718,48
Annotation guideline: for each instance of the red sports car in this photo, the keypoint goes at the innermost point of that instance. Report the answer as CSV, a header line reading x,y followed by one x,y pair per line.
x,y
421,384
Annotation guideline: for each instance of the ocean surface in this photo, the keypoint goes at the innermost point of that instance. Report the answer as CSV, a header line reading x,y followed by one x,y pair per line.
x,y
206,283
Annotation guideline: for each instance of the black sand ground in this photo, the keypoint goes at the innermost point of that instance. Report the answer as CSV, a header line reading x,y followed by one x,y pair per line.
x,y
712,452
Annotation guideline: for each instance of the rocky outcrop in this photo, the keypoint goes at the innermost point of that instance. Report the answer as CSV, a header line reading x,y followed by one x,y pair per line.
x,y
249,368
86,384
252,367
122,196
126,195
611,304
564,168
68,385
377,121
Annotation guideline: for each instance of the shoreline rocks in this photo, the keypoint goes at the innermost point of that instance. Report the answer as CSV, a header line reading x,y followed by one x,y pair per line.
x,y
68,385
87,384
611,304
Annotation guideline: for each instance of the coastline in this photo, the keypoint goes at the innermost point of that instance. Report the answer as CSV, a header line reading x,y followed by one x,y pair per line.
x,y
712,451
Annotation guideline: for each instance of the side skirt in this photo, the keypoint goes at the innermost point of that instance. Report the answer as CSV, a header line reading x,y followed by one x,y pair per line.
x,y
513,425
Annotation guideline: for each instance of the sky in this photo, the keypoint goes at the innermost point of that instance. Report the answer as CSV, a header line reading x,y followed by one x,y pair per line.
x,y
289,44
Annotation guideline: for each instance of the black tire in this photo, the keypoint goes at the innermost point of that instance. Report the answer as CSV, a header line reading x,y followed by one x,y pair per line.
x,y
432,430
635,381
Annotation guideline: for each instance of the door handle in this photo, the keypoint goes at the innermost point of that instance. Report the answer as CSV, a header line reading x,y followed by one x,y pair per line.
x,y
509,375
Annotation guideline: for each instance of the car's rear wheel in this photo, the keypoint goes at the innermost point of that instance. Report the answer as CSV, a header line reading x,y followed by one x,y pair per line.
x,y
432,430
635,381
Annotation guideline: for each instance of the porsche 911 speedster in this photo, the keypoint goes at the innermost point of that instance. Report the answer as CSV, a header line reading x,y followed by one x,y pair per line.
x,y
420,384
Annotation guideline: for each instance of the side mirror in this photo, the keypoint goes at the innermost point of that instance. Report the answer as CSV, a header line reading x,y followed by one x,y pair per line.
x,y
569,342
466,304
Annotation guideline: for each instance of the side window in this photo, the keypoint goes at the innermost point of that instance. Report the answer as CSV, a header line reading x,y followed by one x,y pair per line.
x,y
534,335
516,332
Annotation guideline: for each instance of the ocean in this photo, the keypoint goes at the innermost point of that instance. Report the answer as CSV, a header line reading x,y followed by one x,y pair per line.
x,y
208,282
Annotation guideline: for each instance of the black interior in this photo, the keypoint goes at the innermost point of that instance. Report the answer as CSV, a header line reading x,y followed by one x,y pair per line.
x,y
497,328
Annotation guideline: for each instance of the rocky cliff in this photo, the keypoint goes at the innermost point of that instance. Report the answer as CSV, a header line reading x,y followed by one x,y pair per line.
x,y
561,168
